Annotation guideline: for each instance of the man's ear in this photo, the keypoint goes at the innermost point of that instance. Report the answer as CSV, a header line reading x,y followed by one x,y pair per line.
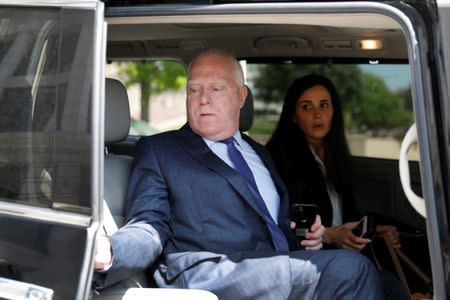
x,y
243,91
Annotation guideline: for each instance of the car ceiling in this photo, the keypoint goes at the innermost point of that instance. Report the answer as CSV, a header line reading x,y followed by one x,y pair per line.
x,y
294,35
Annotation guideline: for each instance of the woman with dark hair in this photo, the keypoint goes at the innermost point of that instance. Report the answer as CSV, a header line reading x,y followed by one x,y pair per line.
x,y
313,158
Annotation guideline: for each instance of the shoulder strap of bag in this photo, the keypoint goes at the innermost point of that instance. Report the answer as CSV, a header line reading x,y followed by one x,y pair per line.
x,y
397,265
395,255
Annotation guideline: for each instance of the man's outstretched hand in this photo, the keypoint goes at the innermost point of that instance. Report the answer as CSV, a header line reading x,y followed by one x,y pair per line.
x,y
103,255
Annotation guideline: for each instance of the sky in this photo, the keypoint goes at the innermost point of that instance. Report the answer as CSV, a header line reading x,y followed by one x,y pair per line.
x,y
396,76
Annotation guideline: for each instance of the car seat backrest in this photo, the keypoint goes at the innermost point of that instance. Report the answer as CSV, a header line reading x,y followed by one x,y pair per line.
x,y
246,116
117,111
117,168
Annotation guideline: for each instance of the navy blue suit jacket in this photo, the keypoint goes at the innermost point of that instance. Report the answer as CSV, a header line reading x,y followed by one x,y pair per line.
x,y
195,202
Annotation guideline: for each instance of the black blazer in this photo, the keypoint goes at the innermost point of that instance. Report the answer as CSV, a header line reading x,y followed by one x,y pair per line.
x,y
305,183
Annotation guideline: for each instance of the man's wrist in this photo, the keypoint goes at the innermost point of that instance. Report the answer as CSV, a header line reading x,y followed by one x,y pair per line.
x,y
104,254
105,268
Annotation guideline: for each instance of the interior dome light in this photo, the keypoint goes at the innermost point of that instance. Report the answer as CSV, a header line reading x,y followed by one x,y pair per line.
x,y
371,44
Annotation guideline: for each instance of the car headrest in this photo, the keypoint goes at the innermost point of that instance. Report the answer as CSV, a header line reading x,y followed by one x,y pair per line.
x,y
117,111
246,116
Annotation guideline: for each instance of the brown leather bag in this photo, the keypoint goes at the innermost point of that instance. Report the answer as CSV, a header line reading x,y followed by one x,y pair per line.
x,y
396,255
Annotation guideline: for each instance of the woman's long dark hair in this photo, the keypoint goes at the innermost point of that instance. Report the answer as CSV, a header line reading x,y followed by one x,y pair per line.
x,y
289,134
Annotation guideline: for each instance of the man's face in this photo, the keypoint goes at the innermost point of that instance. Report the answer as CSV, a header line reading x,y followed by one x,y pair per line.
x,y
213,98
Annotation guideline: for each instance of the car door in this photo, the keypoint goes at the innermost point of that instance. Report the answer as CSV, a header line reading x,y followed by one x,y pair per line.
x,y
441,224
51,133
430,57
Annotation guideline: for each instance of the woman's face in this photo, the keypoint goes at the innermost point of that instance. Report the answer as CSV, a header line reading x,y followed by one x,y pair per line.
x,y
314,113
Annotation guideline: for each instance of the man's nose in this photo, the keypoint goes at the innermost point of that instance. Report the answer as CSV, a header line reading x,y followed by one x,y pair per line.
x,y
204,97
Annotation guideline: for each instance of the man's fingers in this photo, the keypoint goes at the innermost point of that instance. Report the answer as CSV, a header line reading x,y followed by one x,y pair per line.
x,y
318,233
293,225
317,223
103,254
312,244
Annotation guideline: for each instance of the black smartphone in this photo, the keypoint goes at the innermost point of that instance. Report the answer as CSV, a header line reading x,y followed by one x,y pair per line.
x,y
361,229
304,216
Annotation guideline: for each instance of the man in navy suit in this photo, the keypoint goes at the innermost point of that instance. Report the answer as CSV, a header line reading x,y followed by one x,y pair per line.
x,y
201,222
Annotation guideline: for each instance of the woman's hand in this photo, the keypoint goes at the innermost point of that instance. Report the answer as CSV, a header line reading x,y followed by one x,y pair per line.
x,y
314,236
343,237
391,233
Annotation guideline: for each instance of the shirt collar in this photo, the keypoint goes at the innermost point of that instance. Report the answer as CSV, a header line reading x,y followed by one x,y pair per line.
x,y
237,138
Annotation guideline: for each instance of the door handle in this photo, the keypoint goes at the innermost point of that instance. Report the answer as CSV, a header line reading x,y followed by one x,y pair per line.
x,y
417,202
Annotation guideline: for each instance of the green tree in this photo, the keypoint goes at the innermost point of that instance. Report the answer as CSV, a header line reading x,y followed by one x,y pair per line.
x,y
367,103
153,78
273,80
378,107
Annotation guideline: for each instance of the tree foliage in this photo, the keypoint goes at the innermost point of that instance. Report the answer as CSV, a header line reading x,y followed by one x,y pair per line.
x,y
273,80
378,107
368,104
153,78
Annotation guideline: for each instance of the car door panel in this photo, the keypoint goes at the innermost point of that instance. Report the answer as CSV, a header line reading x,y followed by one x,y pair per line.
x,y
443,67
44,254
50,143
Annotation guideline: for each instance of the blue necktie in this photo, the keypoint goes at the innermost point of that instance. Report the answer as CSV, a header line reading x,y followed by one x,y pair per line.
x,y
240,165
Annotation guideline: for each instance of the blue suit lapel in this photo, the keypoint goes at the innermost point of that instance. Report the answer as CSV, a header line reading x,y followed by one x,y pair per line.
x,y
197,148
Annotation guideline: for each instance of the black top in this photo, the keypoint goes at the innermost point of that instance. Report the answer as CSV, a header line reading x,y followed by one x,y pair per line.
x,y
305,182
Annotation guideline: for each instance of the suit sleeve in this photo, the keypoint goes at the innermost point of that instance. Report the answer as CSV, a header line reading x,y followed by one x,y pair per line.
x,y
139,242
148,193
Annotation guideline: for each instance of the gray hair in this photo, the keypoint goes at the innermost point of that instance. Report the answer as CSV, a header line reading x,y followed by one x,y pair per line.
x,y
238,73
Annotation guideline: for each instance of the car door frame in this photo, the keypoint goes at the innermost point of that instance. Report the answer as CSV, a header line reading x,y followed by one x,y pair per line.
x,y
89,223
433,143
415,25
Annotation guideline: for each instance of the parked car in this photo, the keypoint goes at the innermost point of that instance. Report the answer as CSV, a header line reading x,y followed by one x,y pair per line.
x,y
52,112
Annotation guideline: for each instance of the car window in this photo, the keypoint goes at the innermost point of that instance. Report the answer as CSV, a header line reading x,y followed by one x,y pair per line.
x,y
376,100
156,91
45,86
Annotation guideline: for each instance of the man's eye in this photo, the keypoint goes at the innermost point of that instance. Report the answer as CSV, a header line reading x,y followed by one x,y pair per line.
x,y
216,89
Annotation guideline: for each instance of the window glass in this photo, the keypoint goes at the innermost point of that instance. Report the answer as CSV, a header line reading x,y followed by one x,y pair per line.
x,y
45,95
376,100
156,91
